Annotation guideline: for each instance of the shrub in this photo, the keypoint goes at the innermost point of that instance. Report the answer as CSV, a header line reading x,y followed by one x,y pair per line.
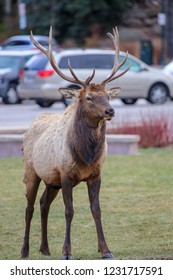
x,y
153,131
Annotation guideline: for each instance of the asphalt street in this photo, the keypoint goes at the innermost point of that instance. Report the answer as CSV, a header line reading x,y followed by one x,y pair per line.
x,y
23,114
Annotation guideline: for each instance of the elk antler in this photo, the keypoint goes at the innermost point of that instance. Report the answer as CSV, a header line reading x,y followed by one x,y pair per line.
x,y
51,58
112,76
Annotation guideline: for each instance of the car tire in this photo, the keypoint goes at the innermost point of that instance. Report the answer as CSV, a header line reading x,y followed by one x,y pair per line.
x,y
44,103
11,96
65,101
158,93
129,101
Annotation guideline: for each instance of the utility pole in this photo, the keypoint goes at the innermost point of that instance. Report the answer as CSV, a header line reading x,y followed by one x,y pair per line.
x,y
53,14
7,16
169,27
162,22
7,7
22,15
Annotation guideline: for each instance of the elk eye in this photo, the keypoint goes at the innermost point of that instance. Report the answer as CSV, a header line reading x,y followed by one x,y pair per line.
x,y
88,98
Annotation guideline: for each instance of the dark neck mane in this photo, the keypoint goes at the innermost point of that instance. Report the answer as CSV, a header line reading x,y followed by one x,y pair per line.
x,y
86,140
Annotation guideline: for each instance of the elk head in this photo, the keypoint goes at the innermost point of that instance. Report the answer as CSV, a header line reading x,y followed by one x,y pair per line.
x,y
93,97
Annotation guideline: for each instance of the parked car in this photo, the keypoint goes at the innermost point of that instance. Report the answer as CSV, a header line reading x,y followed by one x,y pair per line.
x,y
23,42
168,68
11,62
41,83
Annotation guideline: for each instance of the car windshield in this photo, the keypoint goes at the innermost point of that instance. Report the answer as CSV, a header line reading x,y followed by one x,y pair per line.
x,y
135,66
169,66
12,62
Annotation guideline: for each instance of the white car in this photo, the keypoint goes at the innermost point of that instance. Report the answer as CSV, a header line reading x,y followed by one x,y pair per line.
x,y
168,68
41,83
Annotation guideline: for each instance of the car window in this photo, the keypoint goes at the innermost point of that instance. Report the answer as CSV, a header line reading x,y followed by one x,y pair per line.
x,y
25,59
38,63
135,66
46,43
16,43
75,61
98,61
12,62
43,43
88,61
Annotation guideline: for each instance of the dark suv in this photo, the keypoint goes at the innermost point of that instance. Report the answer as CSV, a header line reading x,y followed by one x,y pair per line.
x,y
11,63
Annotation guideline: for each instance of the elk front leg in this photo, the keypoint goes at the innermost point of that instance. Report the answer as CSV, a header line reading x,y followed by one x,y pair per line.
x,y
69,212
93,192
45,202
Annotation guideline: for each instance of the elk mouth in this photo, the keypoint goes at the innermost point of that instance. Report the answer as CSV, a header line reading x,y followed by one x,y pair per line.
x,y
109,118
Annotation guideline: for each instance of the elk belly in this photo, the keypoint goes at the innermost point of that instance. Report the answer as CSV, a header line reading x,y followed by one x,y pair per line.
x,y
44,161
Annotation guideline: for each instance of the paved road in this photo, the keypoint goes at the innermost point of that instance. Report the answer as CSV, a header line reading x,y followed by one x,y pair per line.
x,y
23,114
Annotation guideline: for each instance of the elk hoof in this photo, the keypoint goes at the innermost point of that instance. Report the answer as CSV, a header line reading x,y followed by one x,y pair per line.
x,y
24,253
108,256
45,252
66,257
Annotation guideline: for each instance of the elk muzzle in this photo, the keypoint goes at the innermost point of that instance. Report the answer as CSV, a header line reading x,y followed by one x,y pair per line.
x,y
109,112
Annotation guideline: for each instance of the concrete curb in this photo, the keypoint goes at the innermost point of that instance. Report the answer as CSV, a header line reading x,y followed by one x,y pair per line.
x,y
123,144
11,140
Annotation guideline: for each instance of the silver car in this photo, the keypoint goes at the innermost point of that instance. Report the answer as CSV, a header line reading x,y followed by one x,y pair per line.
x,y
41,83
23,42
11,63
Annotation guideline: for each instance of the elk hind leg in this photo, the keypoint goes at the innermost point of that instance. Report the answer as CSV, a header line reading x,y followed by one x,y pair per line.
x,y
47,198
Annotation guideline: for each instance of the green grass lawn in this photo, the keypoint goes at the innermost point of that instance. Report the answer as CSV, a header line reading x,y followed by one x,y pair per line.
x,y
137,210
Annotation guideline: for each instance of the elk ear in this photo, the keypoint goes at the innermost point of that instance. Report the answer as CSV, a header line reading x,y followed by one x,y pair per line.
x,y
69,92
113,92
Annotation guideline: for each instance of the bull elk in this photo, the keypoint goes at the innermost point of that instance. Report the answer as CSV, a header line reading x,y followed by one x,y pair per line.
x,y
63,150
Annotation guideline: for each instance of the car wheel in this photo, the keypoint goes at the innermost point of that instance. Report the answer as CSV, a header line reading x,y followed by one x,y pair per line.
x,y
11,96
158,94
129,101
44,103
65,101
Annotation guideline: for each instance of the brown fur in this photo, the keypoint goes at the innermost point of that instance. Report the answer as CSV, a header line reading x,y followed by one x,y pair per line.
x,y
87,143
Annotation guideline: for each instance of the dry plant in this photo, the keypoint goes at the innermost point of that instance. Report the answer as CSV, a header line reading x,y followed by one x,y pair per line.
x,y
153,131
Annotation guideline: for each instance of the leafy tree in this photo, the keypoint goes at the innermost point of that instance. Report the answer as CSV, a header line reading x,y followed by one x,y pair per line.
x,y
73,18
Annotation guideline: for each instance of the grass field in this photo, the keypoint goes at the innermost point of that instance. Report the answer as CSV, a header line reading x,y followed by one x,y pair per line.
x,y
137,210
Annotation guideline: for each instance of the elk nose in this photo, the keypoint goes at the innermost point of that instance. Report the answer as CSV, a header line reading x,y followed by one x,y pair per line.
x,y
109,112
